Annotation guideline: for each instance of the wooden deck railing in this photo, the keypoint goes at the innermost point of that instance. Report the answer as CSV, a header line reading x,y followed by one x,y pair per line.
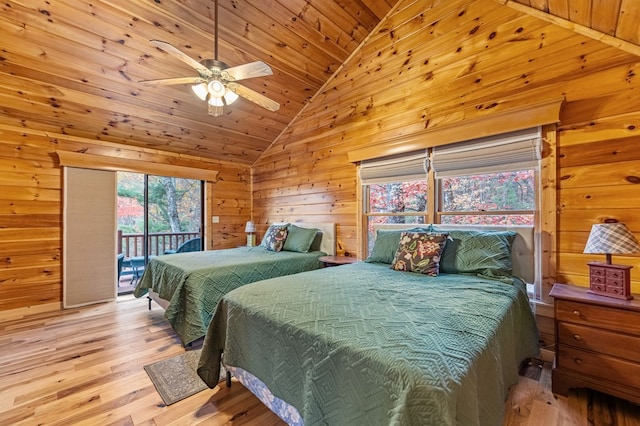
x,y
131,244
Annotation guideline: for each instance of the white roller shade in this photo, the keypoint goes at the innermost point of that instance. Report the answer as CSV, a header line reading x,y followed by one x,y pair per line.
x,y
398,168
506,152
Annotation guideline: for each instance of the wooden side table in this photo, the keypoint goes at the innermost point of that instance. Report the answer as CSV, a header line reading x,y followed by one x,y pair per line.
x,y
597,343
337,260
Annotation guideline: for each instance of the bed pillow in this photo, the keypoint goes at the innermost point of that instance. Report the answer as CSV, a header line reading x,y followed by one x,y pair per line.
x,y
275,237
486,253
299,239
386,244
419,252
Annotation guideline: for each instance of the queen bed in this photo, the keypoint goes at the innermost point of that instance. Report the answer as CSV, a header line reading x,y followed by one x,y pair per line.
x,y
190,285
367,344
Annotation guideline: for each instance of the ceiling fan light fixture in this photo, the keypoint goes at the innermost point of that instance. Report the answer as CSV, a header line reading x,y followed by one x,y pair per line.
x,y
217,102
200,90
217,83
230,97
216,88
215,111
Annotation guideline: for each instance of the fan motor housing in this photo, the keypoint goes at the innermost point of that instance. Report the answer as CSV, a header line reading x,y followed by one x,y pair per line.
x,y
212,64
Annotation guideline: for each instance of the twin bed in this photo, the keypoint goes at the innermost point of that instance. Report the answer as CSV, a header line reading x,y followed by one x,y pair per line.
x,y
190,285
367,344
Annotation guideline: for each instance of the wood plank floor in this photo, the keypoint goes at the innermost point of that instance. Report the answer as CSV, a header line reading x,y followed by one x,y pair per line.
x,y
84,366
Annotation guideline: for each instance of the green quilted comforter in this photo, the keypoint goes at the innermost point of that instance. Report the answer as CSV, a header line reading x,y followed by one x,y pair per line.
x,y
362,344
194,282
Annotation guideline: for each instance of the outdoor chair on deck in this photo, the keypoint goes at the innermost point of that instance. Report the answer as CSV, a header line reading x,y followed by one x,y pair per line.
x,y
120,258
189,245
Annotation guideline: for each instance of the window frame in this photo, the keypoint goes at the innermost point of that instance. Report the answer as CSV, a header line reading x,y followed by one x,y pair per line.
x,y
544,184
438,213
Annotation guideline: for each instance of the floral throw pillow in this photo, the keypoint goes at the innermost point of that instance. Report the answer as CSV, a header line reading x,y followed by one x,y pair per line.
x,y
275,237
419,252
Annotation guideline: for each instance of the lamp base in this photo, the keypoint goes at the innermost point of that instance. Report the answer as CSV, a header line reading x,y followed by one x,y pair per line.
x,y
610,280
251,240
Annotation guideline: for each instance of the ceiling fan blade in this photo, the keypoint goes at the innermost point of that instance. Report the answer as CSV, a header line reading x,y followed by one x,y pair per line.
x,y
250,70
204,71
256,97
176,80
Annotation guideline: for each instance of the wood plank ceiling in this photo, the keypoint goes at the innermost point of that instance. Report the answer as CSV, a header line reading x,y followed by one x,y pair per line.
x,y
74,66
617,18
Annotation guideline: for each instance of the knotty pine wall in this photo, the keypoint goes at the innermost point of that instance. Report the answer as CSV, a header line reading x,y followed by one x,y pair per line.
x,y
31,211
416,73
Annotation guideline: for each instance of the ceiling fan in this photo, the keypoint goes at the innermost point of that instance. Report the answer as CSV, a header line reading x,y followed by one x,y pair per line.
x,y
217,82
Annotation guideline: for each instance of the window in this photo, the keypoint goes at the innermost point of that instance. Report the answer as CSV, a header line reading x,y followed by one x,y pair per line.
x,y
396,202
485,181
503,198
488,181
395,191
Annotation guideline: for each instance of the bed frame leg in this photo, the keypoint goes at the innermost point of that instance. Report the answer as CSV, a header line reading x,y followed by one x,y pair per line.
x,y
228,379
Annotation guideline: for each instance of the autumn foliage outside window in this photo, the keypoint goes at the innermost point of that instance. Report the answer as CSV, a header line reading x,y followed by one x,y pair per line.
x,y
506,198
397,202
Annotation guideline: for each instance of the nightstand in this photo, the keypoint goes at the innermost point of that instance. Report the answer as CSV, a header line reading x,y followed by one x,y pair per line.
x,y
597,343
337,260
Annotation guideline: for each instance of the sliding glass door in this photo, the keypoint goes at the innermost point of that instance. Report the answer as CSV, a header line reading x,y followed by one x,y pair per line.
x,y
157,215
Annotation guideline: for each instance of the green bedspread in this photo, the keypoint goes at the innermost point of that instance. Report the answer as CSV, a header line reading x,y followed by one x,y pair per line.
x,y
194,282
363,344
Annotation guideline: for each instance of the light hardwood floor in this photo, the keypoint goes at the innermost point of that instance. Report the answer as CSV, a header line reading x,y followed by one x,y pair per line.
x,y
84,366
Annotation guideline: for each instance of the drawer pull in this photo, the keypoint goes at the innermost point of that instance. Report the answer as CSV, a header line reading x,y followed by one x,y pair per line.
x,y
578,361
577,337
576,313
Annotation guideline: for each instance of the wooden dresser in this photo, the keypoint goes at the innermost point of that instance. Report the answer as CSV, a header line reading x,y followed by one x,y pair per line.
x,y
597,343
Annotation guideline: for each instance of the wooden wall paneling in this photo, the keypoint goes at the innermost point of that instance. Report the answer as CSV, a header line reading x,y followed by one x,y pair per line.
x,y
559,8
580,12
617,127
401,66
604,15
434,91
576,12
31,211
598,169
603,174
627,27
581,220
597,197
229,198
616,80
395,121
617,103
586,154
573,241
332,175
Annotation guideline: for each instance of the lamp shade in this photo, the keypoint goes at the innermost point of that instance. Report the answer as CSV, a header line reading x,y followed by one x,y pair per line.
x,y
611,238
250,227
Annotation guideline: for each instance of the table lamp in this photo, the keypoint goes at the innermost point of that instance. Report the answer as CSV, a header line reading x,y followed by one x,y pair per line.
x,y
607,279
250,228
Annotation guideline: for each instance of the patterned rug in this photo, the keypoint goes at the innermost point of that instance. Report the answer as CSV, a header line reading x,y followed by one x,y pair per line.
x,y
176,378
